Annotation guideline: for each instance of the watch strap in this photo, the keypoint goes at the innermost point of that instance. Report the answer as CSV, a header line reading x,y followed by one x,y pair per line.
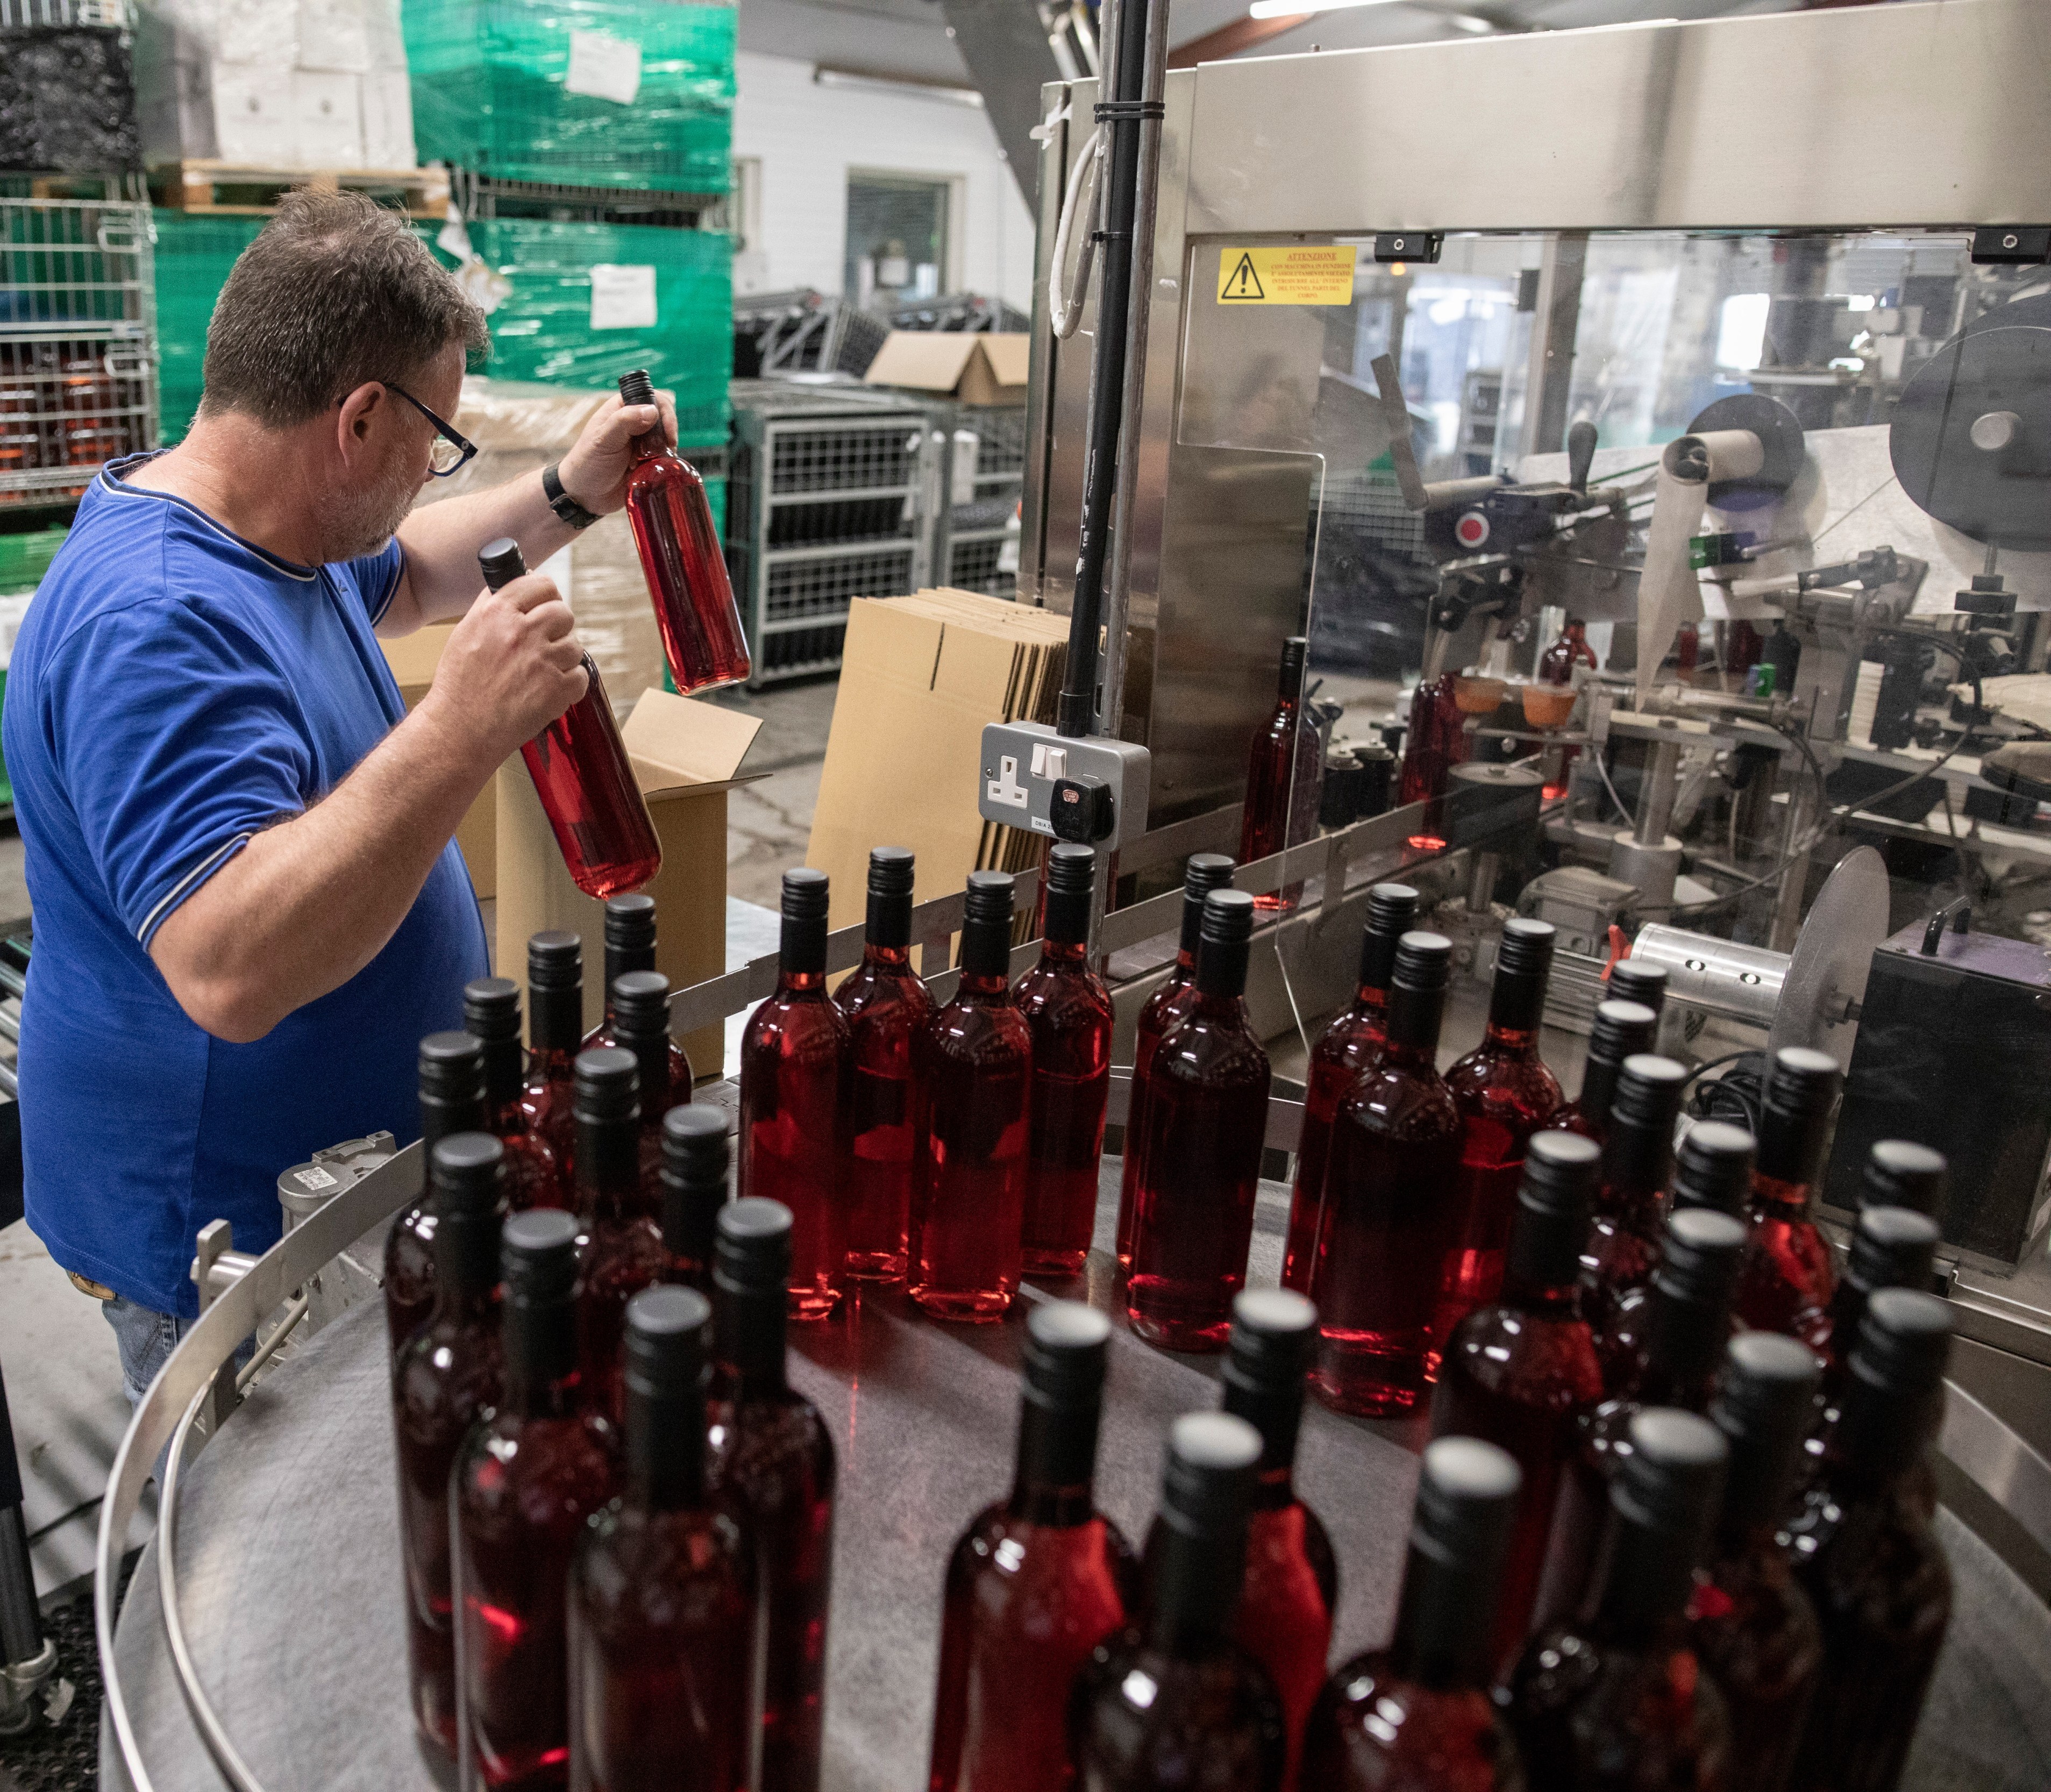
x,y
564,506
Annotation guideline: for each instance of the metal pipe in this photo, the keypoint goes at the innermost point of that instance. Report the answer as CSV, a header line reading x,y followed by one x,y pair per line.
x,y
1121,116
1794,876
1656,795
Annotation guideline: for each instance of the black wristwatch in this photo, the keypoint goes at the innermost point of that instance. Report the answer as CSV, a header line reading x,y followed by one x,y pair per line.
x,y
564,506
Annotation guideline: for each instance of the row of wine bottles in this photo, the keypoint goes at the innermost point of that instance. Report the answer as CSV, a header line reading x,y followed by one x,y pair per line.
x,y
579,763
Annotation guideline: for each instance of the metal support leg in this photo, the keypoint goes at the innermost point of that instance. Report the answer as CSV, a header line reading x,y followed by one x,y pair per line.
x,y
26,1657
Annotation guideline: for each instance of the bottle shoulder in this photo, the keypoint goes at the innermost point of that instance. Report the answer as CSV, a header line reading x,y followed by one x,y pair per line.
x,y
1374,1728
1546,1360
1488,1081
1754,1626
1065,999
873,995
1139,1710
1211,1049
1409,1103
445,1375
546,1476
671,1569
988,1031
776,1452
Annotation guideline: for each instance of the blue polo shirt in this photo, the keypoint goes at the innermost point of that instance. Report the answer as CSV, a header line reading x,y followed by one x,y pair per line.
x,y
174,689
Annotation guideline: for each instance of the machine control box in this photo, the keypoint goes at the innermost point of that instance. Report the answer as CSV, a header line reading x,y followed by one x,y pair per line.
x,y
1087,790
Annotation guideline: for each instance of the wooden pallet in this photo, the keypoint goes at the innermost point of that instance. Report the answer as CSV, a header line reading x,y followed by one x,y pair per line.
x,y
242,190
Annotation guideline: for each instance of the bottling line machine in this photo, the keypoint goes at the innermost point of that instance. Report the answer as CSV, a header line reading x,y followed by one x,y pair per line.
x,y
1783,266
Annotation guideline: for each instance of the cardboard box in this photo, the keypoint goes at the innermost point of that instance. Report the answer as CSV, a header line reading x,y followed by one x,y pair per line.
x,y
687,755
920,676
978,367
413,658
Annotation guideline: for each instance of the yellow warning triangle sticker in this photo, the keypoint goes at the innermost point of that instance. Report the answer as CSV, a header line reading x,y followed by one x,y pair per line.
x,y
1243,281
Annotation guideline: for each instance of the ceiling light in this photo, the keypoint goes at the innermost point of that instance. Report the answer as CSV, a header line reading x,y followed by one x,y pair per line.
x,y
862,81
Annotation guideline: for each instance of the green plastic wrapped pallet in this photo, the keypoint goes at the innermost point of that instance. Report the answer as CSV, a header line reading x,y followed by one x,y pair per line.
x,y
543,328
25,557
575,92
194,256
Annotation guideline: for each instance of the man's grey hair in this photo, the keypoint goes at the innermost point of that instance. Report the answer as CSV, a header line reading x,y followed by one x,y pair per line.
x,y
337,291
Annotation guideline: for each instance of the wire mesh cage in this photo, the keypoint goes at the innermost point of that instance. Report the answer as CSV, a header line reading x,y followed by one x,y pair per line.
x,y
78,384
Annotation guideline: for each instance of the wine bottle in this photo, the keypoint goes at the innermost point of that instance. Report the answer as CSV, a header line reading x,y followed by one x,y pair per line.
x,y
695,1155
1556,663
1505,1094
1345,1050
623,1249
1671,1356
1390,1205
582,774
1416,1716
662,1073
773,1465
1206,1119
1637,1163
1292,1576
446,1374
1284,767
1900,1174
1622,1030
794,1090
1892,1247
1867,1556
1434,743
451,1086
1713,1169
1068,1009
975,1072
1617,1700
682,559
630,945
1204,872
527,1479
663,1600
555,1028
887,1005
1173,1689
1787,1282
1036,1582
1520,1372
491,1015
1752,1626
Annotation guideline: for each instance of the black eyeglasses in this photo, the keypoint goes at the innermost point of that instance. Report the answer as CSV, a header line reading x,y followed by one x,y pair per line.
x,y
451,451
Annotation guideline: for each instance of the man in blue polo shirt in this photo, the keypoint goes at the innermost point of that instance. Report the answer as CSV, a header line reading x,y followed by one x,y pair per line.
x,y
249,903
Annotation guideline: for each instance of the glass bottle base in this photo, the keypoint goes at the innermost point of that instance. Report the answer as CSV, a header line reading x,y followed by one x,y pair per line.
x,y
811,1302
977,1307
1061,1263
1199,1335
876,1266
1371,1378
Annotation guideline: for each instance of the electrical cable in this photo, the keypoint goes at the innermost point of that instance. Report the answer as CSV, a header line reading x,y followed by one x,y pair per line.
x,y
1064,296
1602,771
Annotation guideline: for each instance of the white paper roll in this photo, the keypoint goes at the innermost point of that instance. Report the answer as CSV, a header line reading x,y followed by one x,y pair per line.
x,y
1668,592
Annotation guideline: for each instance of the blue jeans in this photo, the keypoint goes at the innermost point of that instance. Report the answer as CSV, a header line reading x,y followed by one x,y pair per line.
x,y
145,1339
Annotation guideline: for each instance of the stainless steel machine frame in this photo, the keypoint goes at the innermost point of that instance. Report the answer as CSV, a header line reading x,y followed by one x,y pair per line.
x,y
1750,124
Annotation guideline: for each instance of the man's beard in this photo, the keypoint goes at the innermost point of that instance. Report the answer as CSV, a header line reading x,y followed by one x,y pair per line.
x,y
360,522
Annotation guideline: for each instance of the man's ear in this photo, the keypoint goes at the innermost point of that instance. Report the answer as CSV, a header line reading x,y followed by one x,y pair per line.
x,y
353,425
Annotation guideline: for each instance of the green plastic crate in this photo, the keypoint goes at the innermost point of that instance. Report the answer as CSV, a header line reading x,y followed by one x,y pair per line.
x,y
194,256
490,93
25,557
542,330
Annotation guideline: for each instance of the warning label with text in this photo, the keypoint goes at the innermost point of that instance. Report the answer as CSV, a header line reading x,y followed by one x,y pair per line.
x,y
1287,276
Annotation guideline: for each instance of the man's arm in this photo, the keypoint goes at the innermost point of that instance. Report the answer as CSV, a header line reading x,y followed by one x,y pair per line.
x,y
441,541
307,903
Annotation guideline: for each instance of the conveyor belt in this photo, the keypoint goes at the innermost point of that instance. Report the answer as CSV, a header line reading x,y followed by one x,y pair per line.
x,y
290,1576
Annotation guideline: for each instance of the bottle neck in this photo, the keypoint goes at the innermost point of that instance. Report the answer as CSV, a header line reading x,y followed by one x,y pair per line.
x,y
690,1216
1598,1091
1443,1621
1637,1163
440,1117
651,1068
1277,1414
1193,931
1543,1266
1222,970
650,446
889,928
986,953
608,1166
1414,1016
1790,1149
541,1359
896,960
502,1069
1646,1589
466,1263
621,960
1071,955
1056,1462
802,955
665,1448
1514,1005
1775,1199
1684,1344
750,1328
555,1018
1198,1578
1882,1435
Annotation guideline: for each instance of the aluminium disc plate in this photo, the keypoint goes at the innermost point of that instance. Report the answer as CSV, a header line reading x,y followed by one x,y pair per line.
x,y
1833,956
1971,438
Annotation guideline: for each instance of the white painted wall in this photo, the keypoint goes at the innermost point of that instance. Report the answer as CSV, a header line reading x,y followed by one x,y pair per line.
x,y
807,136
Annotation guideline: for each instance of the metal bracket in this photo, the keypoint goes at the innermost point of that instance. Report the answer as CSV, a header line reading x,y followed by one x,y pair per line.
x,y
216,1268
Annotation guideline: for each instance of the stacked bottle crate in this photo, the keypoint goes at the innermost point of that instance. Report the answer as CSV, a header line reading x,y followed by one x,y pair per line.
x,y
77,345
830,501
977,530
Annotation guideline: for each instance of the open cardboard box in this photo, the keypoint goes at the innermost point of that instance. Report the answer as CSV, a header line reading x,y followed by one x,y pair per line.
x,y
978,367
687,755
413,658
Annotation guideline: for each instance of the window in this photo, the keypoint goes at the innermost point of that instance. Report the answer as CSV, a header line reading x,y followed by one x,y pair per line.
x,y
897,232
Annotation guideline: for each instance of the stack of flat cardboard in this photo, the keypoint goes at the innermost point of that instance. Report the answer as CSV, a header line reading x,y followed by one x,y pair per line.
x,y
919,678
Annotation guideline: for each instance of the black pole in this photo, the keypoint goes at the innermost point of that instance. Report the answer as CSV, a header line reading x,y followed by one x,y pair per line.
x,y
1121,115
21,1627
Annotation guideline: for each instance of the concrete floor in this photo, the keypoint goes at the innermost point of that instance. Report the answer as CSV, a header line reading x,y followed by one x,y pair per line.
x,y
769,824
